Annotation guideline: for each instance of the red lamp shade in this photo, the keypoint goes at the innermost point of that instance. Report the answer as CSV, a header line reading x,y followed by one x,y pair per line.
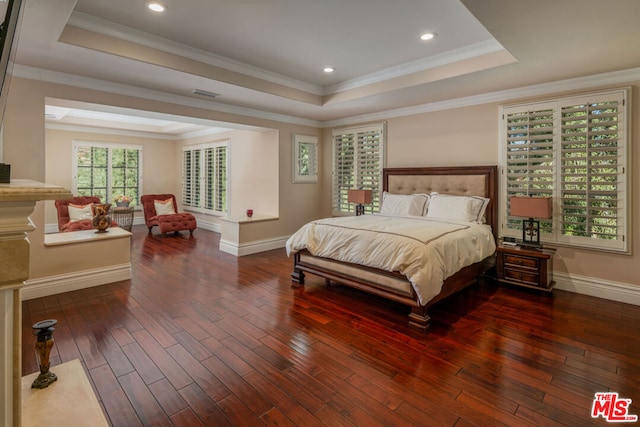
x,y
531,207
361,197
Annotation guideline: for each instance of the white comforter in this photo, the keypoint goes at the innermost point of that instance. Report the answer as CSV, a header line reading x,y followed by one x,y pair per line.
x,y
425,250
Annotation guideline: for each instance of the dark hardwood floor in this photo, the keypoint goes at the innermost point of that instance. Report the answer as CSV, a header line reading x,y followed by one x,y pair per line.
x,y
199,337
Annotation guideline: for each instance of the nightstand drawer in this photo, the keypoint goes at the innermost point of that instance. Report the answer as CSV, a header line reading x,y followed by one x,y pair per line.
x,y
522,276
521,261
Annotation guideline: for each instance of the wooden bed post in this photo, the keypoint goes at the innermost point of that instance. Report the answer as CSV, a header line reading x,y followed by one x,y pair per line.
x,y
419,318
297,276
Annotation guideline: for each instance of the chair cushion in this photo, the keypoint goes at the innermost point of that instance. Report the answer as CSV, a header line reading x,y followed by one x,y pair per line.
x,y
164,207
78,225
80,212
176,222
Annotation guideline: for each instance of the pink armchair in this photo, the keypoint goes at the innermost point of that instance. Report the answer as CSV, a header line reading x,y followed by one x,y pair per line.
x,y
166,223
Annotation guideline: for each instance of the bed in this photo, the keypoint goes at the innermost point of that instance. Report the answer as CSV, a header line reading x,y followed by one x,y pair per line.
x,y
478,182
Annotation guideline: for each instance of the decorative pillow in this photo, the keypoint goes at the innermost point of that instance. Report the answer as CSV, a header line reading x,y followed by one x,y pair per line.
x,y
164,207
465,208
404,204
80,212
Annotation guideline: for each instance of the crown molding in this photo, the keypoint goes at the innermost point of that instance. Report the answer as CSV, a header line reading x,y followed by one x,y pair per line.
x,y
461,54
132,133
580,83
616,77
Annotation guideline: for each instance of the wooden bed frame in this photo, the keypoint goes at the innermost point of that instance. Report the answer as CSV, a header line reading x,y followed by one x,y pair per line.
x,y
466,180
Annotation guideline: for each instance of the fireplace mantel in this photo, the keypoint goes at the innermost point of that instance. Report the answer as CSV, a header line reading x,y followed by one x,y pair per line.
x,y
17,202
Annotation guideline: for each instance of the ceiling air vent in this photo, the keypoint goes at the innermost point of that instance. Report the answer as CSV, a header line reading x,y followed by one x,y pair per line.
x,y
204,93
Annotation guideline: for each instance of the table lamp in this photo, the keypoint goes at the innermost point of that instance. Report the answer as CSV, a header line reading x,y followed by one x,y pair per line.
x,y
361,197
530,207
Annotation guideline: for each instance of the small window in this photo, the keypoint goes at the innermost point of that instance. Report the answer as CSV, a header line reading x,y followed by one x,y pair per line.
x,y
358,160
305,158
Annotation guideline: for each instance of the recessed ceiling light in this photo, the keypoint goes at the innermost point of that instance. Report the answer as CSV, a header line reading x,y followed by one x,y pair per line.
x,y
329,69
156,6
428,36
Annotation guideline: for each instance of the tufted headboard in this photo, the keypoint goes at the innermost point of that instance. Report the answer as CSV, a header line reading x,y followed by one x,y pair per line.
x,y
459,180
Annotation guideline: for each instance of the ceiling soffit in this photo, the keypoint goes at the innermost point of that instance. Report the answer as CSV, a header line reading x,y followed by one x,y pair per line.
x,y
97,35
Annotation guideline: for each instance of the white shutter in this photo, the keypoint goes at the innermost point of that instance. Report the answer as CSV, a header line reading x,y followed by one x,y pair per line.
x,y
529,164
191,177
592,171
344,170
574,150
216,178
204,182
358,160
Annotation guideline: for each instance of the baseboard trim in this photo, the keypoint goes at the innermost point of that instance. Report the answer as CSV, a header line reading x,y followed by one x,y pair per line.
x,y
601,288
52,285
211,226
254,247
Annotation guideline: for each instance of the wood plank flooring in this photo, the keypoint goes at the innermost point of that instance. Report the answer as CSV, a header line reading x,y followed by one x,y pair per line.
x,y
199,337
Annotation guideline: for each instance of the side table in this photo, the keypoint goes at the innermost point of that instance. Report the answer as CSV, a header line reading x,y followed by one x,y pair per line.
x,y
123,216
527,267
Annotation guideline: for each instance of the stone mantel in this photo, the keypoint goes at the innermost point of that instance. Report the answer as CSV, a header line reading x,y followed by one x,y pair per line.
x,y
24,190
17,201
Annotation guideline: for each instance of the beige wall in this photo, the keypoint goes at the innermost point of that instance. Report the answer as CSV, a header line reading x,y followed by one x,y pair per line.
x,y
463,136
24,148
468,136
254,160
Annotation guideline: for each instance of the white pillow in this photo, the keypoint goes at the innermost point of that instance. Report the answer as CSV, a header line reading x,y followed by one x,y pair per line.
x,y
164,207
404,204
464,208
80,212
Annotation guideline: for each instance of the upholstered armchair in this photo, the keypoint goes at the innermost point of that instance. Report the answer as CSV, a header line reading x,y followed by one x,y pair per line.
x,y
162,210
67,223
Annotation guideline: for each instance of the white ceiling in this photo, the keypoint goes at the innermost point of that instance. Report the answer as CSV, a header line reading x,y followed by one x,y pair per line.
x,y
265,57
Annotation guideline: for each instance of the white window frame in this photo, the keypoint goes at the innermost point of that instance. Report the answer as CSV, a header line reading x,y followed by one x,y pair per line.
x,y
198,205
305,159
557,230
361,179
108,146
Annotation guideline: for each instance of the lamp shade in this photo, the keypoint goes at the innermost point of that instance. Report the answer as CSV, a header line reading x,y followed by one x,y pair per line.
x,y
531,207
361,197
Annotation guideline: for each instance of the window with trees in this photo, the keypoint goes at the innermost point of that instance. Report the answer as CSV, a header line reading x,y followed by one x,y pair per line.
x,y
574,150
358,160
107,170
204,177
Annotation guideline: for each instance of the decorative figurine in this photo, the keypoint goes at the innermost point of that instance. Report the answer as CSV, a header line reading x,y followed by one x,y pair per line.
x,y
44,342
102,221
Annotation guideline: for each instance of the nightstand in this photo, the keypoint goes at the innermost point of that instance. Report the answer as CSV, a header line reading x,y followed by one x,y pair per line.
x,y
527,267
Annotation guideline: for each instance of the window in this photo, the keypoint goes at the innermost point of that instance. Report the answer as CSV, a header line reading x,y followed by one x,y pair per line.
x,y
107,170
358,159
305,158
575,151
204,177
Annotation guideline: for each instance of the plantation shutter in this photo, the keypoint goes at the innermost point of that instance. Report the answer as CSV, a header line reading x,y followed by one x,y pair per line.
x,y
191,178
216,178
204,182
529,167
358,159
592,171
573,150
